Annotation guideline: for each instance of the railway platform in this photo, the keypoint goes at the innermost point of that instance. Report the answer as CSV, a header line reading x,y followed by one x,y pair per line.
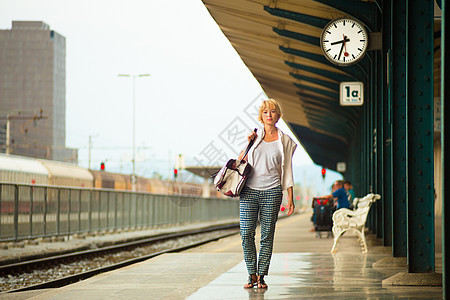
x,y
302,267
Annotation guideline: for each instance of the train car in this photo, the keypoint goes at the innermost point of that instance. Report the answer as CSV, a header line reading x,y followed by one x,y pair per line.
x,y
158,186
107,180
143,185
183,188
103,179
122,182
65,174
18,169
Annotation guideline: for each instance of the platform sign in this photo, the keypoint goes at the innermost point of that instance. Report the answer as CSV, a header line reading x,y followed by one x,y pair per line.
x,y
351,93
341,167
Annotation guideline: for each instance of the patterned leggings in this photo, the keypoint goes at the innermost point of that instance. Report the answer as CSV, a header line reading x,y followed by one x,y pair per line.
x,y
266,204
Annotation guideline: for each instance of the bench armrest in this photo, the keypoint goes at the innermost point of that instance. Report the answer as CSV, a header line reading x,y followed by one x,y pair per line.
x,y
345,217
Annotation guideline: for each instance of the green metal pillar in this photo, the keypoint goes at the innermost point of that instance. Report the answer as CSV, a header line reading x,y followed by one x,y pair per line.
x,y
399,117
366,149
360,162
372,130
373,149
370,149
377,168
386,189
356,162
363,143
420,200
367,146
379,145
445,143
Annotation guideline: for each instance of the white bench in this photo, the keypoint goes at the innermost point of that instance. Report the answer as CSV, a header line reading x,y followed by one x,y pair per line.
x,y
353,220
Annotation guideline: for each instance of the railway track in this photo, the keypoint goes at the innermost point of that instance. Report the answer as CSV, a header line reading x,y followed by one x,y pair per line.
x,y
73,267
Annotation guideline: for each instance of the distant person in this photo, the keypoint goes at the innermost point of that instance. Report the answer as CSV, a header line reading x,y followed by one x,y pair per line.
x,y
350,193
271,158
340,194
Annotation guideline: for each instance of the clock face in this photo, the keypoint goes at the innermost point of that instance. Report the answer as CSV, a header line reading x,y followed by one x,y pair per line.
x,y
344,41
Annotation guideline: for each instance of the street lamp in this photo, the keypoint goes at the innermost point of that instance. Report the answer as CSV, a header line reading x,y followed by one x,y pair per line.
x,y
134,116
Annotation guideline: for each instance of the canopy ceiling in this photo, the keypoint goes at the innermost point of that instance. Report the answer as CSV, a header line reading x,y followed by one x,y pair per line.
x,y
279,43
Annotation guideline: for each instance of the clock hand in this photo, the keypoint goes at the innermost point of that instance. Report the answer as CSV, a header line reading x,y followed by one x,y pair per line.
x,y
345,46
338,42
340,52
341,42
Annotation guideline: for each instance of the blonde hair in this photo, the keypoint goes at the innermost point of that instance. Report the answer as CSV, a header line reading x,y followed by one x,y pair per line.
x,y
270,104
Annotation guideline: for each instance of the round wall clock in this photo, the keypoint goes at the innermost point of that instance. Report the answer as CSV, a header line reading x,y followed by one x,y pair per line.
x,y
344,41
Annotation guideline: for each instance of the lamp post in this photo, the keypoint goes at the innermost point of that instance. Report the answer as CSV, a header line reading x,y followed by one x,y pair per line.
x,y
134,119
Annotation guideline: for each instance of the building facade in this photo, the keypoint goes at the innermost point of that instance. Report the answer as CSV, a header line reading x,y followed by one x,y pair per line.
x,y
33,92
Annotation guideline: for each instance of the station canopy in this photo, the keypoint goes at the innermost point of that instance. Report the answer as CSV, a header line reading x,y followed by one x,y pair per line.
x,y
279,41
203,171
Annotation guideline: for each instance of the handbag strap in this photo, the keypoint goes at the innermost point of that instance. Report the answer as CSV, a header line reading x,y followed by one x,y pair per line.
x,y
250,144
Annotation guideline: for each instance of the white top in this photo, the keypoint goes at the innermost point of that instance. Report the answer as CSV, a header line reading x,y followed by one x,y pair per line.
x,y
287,150
267,166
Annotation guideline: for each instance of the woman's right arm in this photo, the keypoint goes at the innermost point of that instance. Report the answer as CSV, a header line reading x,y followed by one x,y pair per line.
x,y
240,155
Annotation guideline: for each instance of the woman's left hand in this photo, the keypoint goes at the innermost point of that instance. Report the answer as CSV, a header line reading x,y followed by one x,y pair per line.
x,y
290,207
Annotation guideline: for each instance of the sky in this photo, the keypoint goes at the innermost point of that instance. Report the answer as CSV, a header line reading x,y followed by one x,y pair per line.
x,y
198,101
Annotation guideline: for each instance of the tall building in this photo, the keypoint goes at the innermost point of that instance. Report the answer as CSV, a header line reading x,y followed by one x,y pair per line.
x,y
33,78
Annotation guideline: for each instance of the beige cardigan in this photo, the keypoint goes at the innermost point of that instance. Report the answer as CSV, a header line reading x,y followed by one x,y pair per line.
x,y
287,151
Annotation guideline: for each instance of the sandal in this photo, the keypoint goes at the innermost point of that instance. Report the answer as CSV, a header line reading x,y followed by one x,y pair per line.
x,y
251,282
261,283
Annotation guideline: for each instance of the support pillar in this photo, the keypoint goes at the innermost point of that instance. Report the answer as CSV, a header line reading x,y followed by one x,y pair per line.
x,y
420,203
379,146
399,137
445,143
387,124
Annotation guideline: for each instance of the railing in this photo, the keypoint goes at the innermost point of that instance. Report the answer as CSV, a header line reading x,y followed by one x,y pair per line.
x,y
31,211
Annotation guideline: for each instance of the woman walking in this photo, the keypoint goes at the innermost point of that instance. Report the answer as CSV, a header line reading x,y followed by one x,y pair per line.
x,y
271,158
